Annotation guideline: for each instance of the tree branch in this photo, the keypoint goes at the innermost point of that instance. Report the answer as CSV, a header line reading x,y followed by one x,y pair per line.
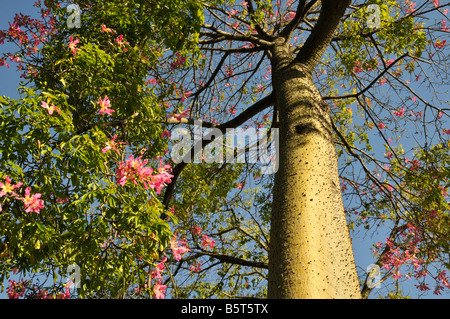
x,y
355,95
258,27
233,260
233,123
323,32
302,10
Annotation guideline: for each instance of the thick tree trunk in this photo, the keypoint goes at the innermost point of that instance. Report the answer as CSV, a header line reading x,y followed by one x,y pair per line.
x,y
310,248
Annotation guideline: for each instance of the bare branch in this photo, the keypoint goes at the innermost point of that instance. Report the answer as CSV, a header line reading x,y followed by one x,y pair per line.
x,y
238,120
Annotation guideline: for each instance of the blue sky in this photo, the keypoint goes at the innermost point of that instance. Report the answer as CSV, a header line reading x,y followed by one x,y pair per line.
x,y
9,81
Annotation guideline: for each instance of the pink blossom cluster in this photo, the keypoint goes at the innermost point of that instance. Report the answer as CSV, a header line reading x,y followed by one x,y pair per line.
x,y
160,267
396,255
399,113
43,294
196,267
439,44
16,289
32,203
444,26
410,6
28,33
178,116
121,42
159,289
180,60
179,247
73,45
205,241
229,71
135,170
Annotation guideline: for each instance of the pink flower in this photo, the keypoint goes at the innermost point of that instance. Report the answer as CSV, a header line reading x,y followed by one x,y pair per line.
x,y
207,242
15,58
104,106
32,203
382,81
159,289
411,6
196,267
186,95
132,169
72,45
3,62
423,287
65,295
179,116
357,68
16,289
120,41
443,278
446,131
437,290
290,15
166,133
381,126
229,71
7,187
436,3
232,12
178,248
105,29
389,62
178,62
135,171
196,230
443,189
440,44
159,268
50,109
444,27
112,145
399,113
151,81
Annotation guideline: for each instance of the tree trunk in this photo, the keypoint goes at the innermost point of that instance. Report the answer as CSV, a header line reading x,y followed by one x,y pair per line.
x,y
310,252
